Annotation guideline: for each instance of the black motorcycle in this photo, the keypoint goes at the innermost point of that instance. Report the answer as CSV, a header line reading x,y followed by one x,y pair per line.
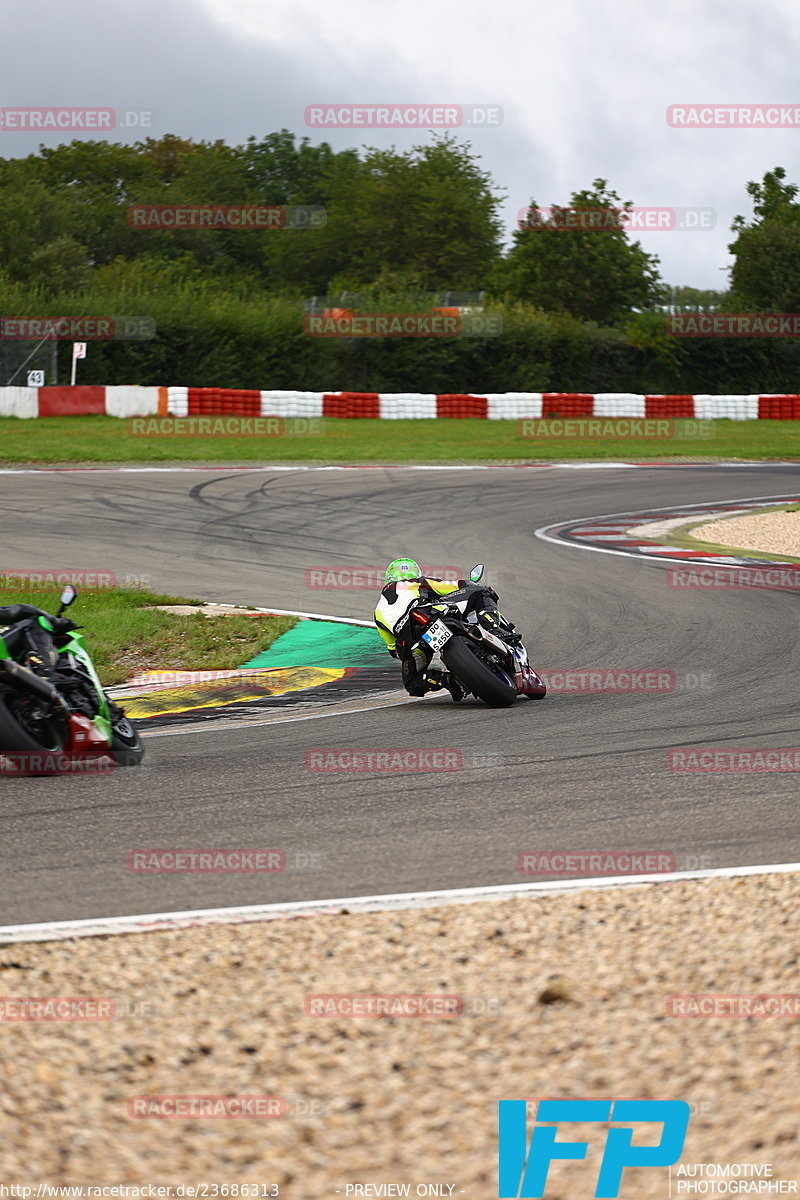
x,y
490,663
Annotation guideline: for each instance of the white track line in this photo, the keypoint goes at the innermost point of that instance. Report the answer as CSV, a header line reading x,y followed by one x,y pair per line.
x,y
222,467
544,531
291,612
148,922
506,466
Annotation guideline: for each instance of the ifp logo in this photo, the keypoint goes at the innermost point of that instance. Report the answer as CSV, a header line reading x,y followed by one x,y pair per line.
x,y
523,1169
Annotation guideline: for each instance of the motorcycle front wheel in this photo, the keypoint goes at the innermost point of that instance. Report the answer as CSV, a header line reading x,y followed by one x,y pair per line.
x,y
127,749
30,746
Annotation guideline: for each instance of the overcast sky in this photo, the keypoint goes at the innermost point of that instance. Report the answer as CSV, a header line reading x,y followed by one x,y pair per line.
x,y
584,86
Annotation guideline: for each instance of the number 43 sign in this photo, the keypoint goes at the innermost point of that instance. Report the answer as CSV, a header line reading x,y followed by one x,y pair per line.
x,y
523,1170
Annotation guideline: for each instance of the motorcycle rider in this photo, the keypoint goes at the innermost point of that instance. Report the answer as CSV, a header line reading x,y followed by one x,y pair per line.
x,y
42,657
406,586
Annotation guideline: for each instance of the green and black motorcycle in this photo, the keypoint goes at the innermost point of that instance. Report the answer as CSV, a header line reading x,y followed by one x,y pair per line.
x,y
51,722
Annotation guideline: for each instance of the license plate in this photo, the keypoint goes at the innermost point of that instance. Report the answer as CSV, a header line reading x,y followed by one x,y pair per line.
x,y
437,635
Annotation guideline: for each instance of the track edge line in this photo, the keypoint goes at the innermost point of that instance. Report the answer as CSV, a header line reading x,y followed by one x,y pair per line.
x,y
247,914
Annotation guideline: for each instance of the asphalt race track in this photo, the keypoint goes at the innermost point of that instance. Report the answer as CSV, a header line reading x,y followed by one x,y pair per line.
x,y
577,771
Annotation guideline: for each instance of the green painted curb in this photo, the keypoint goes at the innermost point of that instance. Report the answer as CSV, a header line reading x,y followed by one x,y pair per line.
x,y
313,643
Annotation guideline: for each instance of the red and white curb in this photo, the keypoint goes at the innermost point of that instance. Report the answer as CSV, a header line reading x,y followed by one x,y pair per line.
x,y
83,401
491,406
52,931
174,401
616,533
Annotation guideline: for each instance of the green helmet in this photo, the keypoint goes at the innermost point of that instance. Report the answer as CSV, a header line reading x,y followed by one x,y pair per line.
x,y
402,568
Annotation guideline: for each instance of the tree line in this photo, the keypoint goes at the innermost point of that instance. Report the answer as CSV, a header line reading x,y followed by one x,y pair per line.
x,y
581,309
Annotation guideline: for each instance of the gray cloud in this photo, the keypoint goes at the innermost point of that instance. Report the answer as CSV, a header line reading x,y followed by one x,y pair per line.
x,y
584,85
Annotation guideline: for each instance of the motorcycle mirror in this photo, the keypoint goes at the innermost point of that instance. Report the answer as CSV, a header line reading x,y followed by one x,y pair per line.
x,y
68,596
476,574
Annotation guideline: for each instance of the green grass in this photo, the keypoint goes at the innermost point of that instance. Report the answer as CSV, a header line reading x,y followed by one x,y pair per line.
x,y
123,637
108,440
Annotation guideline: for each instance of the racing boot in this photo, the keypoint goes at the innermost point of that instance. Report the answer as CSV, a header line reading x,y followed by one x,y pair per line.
x,y
454,687
42,661
493,620
436,680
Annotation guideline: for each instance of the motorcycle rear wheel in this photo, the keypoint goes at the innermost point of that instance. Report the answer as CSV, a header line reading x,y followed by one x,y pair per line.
x,y
476,676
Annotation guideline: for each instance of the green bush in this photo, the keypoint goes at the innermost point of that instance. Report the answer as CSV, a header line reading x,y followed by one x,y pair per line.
x,y
210,337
